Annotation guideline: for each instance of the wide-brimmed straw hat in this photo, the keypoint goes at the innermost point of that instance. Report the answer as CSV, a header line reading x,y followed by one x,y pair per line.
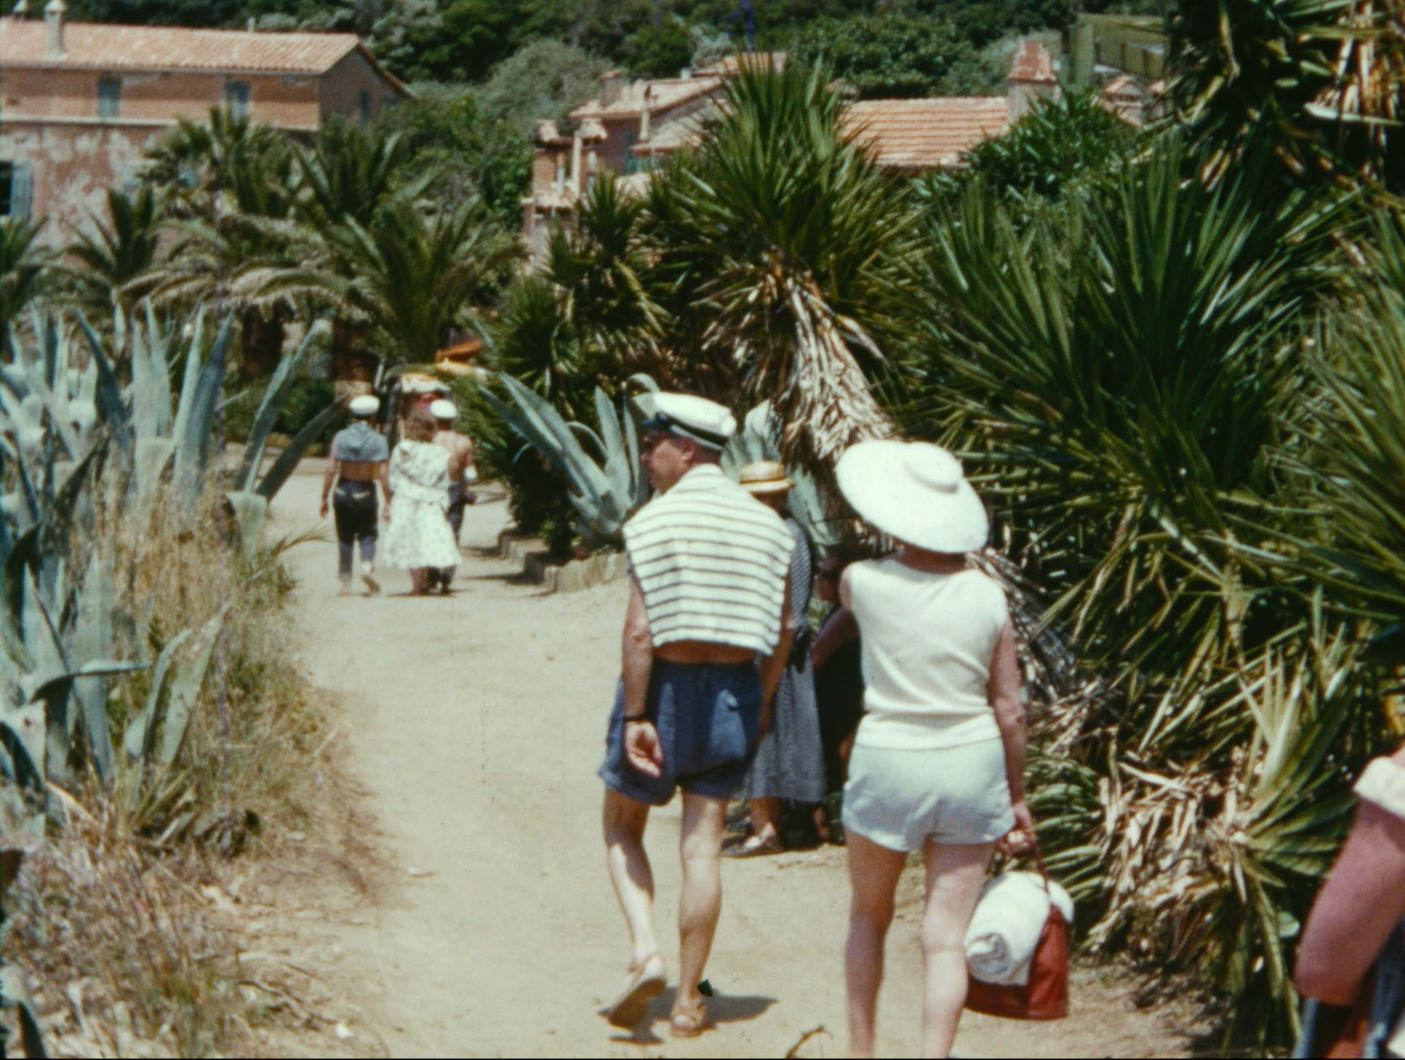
x,y
916,492
764,476
364,405
443,409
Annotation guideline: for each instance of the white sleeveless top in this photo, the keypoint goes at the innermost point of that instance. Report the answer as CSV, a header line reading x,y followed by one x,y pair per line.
x,y
927,642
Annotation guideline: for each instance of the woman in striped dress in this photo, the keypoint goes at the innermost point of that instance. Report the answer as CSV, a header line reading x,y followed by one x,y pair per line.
x,y
789,762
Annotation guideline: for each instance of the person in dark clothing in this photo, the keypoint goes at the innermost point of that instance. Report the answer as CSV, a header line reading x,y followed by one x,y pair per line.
x,y
358,460
834,654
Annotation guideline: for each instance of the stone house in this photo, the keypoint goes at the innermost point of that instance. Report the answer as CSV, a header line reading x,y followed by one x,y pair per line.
x,y
81,101
632,126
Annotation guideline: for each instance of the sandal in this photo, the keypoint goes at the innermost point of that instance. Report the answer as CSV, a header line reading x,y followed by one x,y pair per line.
x,y
688,1020
754,847
646,982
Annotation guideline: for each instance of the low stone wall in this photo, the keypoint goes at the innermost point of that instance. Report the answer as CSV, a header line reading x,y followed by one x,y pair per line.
x,y
554,576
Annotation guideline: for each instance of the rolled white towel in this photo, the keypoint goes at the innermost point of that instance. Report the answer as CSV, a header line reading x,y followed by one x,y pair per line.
x,y
1007,923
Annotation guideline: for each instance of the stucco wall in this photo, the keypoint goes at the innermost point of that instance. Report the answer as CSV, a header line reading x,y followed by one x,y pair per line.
x,y
344,83
289,100
72,166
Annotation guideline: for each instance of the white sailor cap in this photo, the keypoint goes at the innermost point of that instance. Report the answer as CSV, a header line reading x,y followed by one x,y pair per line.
x,y
443,409
705,422
364,405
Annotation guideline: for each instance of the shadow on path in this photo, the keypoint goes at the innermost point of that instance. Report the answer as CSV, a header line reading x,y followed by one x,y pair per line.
x,y
721,1008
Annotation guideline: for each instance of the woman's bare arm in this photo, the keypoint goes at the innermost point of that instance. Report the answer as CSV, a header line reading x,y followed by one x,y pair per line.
x,y
841,629
1003,691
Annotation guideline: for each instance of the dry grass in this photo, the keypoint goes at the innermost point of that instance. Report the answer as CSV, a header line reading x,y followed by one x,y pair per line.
x,y
127,923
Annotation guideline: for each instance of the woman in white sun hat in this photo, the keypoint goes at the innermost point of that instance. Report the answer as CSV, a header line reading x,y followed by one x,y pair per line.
x,y
938,761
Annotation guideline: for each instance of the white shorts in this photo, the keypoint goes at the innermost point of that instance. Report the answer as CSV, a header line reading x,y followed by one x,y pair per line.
x,y
900,799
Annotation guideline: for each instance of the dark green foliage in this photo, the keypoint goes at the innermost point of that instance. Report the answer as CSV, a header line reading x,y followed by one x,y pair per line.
x,y
544,79
446,132
660,48
1319,82
22,265
158,12
302,402
1070,144
885,55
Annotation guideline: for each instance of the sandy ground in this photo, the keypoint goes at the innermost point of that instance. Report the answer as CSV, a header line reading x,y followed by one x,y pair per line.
x,y
473,726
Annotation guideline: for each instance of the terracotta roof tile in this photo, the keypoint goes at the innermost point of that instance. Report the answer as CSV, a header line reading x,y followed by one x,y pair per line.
x,y
733,64
109,47
1033,63
636,96
926,133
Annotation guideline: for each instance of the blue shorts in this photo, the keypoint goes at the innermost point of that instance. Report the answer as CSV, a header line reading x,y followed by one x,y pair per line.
x,y
707,717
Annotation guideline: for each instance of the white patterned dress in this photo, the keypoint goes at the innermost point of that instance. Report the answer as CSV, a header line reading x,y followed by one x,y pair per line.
x,y
419,533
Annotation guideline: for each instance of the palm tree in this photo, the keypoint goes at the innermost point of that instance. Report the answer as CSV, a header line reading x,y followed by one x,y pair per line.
x,y
113,259
230,184
780,244
352,172
408,279
602,273
22,269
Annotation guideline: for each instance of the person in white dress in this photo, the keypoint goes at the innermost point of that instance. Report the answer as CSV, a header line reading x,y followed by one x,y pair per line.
x,y
419,537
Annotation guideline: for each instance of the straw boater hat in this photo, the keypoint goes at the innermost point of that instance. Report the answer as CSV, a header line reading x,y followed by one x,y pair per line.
x,y
764,476
689,416
364,405
443,409
916,492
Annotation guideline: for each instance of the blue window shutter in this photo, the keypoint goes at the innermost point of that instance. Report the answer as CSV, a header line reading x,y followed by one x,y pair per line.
x,y
21,190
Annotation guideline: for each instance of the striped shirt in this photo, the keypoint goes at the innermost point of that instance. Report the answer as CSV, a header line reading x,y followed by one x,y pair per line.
x,y
711,562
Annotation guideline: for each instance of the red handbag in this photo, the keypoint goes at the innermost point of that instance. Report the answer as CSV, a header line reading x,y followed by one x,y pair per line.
x,y
1045,995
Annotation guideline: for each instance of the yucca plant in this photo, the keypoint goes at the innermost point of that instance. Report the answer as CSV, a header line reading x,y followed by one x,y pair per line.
x,y
1119,402
1321,83
1352,473
1122,383
780,241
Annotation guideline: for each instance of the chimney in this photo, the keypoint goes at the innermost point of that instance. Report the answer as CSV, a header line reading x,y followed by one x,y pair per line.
x,y
53,29
611,85
1031,77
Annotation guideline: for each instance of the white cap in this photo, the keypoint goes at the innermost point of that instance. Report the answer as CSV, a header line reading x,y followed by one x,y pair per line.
x,y
443,409
364,405
705,422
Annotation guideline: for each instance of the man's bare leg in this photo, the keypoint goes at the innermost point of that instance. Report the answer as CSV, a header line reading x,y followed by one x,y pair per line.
x,y
700,904
633,879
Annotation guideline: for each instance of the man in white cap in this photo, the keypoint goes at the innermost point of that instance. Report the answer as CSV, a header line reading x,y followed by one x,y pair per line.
x,y
462,473
709,600
357,461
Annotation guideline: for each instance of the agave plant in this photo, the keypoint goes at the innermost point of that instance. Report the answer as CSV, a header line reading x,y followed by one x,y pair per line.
x,y
606,488
74,443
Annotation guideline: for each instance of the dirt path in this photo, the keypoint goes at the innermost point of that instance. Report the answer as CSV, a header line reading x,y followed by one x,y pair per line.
x,y
475,724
